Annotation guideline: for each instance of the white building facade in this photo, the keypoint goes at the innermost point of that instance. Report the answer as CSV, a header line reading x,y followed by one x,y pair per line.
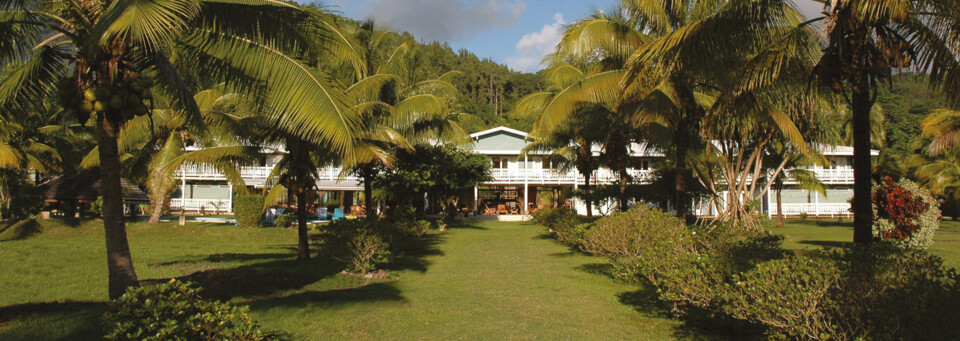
x,y
521,182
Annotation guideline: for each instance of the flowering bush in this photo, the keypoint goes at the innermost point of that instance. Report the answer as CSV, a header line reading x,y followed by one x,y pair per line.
x,y
905,214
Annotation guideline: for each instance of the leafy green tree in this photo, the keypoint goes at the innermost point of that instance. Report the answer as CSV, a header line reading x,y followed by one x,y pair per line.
x,y
866,40
98,54
440,172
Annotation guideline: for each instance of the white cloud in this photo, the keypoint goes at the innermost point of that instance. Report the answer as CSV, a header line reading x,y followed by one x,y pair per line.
x,y
533,46
445,20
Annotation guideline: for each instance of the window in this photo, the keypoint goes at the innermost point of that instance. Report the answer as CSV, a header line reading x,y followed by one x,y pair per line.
x,y
645,165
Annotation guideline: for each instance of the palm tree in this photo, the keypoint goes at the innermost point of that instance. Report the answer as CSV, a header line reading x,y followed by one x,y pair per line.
x,y
943,125
940,175
570,143
104,52
866,40
695,45
161,141
587,68
397,110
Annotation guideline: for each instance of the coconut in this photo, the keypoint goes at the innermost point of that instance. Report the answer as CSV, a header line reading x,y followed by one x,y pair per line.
x,y
102,93
90,95
86,106
133,99
116,102
100,106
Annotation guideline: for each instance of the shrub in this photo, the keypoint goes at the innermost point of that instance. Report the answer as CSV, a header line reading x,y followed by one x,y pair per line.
x,y
548,216
567,226
248,210
889,293
96,207
905,214
285,220
787,295
402,234
175,311
639,242
355,242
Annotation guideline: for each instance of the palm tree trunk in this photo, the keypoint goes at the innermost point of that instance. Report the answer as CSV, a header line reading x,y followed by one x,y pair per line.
x,y
588,194
622,198
862,177
780,221
368,193
121,273
157,209
303,245
680,159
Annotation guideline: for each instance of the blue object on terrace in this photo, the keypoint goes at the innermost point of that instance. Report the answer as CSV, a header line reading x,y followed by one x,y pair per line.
x,y
337,214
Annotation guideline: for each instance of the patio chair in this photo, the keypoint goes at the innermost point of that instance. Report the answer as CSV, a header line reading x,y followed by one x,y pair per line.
x,y
337,214
501,209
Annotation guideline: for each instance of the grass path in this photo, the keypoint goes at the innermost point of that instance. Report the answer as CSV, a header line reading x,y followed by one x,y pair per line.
x,y
488,281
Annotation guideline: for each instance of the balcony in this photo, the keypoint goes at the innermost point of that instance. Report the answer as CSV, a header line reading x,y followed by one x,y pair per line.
x,y
258,174
832,176
552,176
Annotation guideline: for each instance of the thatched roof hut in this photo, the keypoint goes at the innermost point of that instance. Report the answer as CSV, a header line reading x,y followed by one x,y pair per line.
x,y
84,186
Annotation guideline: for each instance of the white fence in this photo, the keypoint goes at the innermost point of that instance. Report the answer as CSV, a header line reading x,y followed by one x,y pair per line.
x,y
208,205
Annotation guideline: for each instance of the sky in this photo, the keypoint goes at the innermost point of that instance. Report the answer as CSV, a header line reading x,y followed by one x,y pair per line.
x,y
518,33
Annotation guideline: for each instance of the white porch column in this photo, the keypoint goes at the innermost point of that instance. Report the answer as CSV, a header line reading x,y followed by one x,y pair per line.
x,y
816,203
230,198
183,187
476,205
525,194
770,205
526,181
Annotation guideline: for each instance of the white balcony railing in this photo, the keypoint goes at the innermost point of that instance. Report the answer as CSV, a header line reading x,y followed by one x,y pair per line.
x,y
552,176
204,172
832,176
814,209
208,205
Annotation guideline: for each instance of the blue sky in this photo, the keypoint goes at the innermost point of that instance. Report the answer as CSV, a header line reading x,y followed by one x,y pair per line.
x,y
517,33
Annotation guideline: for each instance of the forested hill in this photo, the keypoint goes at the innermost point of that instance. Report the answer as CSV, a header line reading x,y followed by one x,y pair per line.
x,y
489,89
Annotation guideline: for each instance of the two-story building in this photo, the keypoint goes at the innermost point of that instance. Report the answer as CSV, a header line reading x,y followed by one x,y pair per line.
x,y
521,182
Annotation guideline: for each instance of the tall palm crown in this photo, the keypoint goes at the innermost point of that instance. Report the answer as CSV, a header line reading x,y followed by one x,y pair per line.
x,y
867,39
100,53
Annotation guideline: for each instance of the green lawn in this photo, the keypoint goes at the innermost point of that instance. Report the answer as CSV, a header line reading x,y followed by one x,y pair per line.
x,y
485,280
814,234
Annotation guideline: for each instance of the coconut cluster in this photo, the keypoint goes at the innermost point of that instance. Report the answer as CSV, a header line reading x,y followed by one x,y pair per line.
x,y
293,185
120,101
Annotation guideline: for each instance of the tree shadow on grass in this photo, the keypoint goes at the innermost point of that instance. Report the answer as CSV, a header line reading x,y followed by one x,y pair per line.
x,y
261,279
466,224
228,257
826,243
696,324
599,269
71,320
414,257
20,229
378,291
